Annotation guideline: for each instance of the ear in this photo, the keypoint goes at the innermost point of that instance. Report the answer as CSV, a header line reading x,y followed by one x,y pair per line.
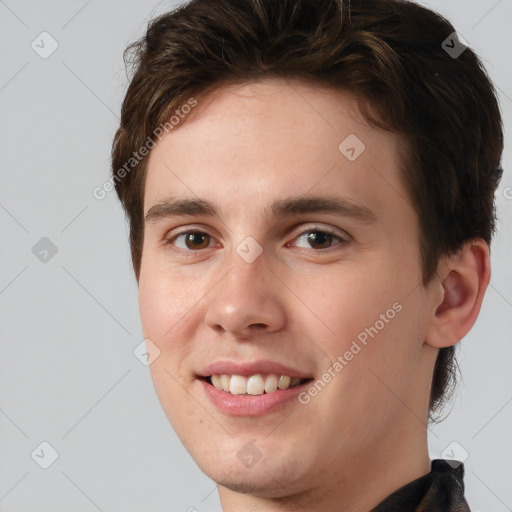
x,y
462,280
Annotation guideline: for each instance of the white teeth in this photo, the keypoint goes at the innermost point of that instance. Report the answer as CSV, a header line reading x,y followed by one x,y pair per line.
x,y
238,385
284,382
224,382
253,385
270,383
217,381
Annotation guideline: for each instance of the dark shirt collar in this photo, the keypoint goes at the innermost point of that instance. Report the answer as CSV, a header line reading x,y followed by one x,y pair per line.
x,y
441,490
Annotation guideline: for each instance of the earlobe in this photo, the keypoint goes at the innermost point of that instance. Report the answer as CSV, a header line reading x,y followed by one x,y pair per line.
x,y
464,280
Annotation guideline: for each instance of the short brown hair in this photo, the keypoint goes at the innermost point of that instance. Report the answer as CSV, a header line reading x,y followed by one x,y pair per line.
x,y
388,52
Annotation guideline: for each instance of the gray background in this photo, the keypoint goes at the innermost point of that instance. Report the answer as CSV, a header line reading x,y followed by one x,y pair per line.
x,y
68,326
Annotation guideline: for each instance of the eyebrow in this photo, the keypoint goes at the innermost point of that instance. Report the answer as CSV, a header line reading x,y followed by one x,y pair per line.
x,y
171,207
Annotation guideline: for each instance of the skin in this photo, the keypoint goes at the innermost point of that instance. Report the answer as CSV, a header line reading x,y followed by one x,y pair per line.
x,y
300,303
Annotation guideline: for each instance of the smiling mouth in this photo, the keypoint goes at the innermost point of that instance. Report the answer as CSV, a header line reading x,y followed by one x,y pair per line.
x,y
258,384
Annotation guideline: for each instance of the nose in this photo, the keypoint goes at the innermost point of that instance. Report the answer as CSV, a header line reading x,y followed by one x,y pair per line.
x,y
249,299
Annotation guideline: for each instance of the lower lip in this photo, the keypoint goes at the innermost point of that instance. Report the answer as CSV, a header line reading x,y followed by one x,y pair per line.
x,y
251,405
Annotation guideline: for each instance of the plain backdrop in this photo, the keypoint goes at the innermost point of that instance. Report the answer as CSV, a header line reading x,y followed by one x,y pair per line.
x,y
69,321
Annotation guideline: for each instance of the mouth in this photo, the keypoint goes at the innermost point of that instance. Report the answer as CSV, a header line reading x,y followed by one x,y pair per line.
x,y
252,388
253,395
254,385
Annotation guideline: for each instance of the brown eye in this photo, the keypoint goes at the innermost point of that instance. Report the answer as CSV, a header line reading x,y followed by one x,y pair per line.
x,y
319,239
197,240
190,241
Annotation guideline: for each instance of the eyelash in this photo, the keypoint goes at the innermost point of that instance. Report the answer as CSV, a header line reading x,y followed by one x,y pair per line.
x,y
315,229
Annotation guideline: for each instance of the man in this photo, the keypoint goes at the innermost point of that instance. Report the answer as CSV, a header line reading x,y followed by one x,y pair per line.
x,y
310,191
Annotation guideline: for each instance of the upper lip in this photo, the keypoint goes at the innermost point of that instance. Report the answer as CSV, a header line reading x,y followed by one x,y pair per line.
x,y
247,368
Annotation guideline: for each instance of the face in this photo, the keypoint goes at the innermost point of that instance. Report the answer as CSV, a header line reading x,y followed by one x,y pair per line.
x,y
276,244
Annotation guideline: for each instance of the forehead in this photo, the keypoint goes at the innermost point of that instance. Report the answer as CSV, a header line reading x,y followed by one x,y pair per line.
x,y
271,106
272,139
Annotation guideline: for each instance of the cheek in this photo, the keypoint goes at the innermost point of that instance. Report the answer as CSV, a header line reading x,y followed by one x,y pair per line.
x,y
372,313
168,307
348,302
163,301
163,306
153,308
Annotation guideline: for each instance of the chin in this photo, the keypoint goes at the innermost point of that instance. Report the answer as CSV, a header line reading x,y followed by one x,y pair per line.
x,y
259,485
266,479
